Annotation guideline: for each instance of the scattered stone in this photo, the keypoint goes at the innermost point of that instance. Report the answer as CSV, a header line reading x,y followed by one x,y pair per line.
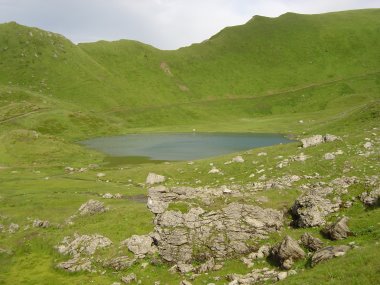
x,y
311,242
286,252
329,156
328,253
207,266
282,275
185,268
154,178
140,245
185,282
76,264
40,224
129,278
214,170
92,207
238,159
262,154
83,244
262,252
119,263
107,196
367,145
1,228
312,141
257,276
331,138
339,230
13,228
371,198
100,175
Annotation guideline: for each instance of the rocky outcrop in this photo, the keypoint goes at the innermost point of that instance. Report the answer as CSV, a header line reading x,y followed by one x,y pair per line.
x,y
310,209
371,198
82,244
328,253
310,242
257,276
92,207
140,245
318,139
338,230
286,252
154,178
200,234
119,263
76,264
129,278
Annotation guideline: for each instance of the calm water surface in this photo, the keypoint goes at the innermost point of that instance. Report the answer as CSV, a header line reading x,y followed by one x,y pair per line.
x,y
139,148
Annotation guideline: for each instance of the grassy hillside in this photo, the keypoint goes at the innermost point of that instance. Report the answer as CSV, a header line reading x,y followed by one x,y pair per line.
x,y
296,74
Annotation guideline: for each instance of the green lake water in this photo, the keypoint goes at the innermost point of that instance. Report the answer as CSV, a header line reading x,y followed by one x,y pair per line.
x,y
140,148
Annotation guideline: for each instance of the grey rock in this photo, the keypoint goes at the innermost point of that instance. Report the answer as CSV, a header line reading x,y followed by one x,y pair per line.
x,y
207,266
119,263
154,178
129,278
92,207
185,268
13,228
238,159
40,224
282,275
371,198
328,253
330,138
311,209
185,282
329,156
76,264
140,245
311,242
83,244
312,141
287,251
339,230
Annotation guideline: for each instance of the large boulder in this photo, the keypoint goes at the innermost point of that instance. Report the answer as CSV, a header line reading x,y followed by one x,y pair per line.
x,y
92,207
154,178
311,209
328,253
312,141
286,252
312,243
371,198
140,245
339,230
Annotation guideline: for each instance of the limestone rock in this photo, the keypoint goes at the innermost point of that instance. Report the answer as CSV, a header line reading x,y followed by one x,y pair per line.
x,y
129,278
185,282
328,253
40,224
207,266
329,156
311,242
238,159
287,251
311,209
154,178
13,228
371,198
185,268
282,275
331,138
119,263
214,170
92,207
83,244
312,141
76,264
140,245
368,145
339,230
